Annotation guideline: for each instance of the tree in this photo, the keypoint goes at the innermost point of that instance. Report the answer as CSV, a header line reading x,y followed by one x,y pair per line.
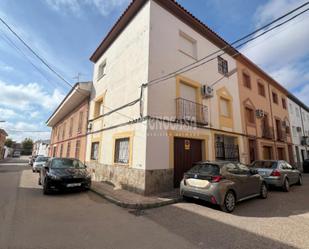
x,y
9,142
27,145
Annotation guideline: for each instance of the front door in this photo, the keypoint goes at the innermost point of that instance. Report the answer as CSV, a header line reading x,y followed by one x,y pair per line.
x,y
186,153
252,150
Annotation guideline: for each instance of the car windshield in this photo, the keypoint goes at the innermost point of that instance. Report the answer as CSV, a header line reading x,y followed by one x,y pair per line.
x,y
205,169
42,159
63,163
265,164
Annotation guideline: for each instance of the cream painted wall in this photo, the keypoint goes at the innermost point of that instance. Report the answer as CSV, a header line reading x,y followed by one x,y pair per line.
x,y
165,57
126,69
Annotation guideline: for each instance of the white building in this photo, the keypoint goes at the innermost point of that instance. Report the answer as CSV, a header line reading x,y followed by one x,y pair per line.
x,y
299,119
147,145
41,147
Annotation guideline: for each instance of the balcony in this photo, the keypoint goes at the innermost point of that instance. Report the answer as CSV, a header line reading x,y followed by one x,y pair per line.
x,y
282,135
267,132
187,110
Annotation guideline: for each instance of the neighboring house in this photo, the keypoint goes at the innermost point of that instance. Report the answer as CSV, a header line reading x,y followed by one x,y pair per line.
x,y
3,136
8,152
299,116
41,147
69,123
265,118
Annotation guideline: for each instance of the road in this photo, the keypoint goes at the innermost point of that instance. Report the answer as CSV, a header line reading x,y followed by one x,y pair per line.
x,y
30,220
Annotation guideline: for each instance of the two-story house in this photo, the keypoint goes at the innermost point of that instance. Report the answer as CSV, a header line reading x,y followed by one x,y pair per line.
x,y
147,129
265,118
3,136
69,123
299,118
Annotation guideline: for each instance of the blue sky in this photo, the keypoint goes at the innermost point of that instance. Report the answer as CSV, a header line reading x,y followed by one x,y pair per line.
x,y
66,32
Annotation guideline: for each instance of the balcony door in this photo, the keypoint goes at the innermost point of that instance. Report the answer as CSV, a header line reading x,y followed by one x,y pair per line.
x,y
188,93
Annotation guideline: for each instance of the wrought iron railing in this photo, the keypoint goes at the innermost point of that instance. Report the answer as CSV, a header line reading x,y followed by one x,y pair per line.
x,y
187,110
229,152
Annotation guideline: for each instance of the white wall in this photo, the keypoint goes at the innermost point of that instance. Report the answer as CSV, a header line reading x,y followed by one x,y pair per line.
x,y
126,70
165,57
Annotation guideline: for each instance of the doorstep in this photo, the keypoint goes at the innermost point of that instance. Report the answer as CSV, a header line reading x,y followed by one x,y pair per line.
x,y
127,199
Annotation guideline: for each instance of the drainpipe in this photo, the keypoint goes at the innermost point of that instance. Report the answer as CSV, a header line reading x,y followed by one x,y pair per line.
x,y
272,120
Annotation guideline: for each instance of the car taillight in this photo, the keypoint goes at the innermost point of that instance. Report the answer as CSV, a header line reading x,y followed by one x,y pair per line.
x,y
216,178
275,173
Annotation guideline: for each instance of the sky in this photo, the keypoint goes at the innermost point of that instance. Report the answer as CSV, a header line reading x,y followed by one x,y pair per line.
x,y
66,32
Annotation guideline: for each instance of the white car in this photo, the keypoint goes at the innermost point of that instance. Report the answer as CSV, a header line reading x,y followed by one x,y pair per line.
x,y
39,163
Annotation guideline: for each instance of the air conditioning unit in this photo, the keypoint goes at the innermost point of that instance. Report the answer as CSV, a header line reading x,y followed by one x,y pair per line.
x,y
207,91
305,141
298,129
259,113
89,128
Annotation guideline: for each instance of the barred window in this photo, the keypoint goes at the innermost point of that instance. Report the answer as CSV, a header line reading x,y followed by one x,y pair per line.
x,y
222,66
122,150
61,150
77,149
68,150
94,151
80,122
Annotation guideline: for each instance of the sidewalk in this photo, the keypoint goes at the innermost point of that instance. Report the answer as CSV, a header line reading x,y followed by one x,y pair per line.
x,y
127,199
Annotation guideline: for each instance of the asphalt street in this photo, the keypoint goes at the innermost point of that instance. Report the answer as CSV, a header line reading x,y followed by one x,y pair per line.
x,y
30,220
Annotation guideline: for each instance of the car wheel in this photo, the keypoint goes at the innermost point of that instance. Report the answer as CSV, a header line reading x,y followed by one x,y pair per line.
x,y
46,191
286,185
229,202
263,191
300,180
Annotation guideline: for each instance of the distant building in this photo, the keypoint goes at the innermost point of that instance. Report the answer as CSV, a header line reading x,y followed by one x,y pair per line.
x,y
3,136
69,123
41,147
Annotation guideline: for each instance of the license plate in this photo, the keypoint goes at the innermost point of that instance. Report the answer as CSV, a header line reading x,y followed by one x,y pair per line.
x,y
73,185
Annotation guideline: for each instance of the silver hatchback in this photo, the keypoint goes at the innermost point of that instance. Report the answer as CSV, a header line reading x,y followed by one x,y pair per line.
x,y
278,173
222,183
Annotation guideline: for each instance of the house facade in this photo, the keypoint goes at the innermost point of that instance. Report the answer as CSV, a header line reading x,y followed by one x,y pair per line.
x,y
299,116
3,136
138,146
41,147
265,117
69,124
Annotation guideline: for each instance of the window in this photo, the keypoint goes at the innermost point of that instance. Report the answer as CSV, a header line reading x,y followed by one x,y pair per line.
x,y
94,151
101,71
61,150
68,149
297,112
55,151
246,80
283,103
291,108
225,107
122,150
80,121
77,149
275,97
98,108
63,131
222,66
187,45
58,133
261,89
71,127
249,115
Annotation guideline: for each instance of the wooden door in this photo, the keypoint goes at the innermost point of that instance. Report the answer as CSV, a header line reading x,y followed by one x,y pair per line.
x,y
186,153
252,150
281,154
267,153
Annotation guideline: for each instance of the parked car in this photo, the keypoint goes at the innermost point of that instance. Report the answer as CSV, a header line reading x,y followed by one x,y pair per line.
x,y
278,173
64,173
16,153
306,166
32,159
39,163
222,183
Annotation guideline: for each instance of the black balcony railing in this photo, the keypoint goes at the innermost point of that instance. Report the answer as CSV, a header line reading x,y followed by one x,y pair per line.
x,y
267,132
228,152
282,135
187,110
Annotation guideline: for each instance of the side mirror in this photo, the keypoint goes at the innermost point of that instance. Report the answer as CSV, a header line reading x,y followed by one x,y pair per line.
x,y
253,171
46,168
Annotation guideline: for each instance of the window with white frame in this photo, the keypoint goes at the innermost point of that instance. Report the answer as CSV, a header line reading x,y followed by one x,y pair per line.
x,y
225,107
122,150
94,151
101,70
187,45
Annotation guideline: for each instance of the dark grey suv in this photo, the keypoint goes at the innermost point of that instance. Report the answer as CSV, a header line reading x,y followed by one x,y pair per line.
x,y
222,183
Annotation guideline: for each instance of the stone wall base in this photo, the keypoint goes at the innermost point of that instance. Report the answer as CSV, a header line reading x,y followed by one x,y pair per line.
x,y
141,181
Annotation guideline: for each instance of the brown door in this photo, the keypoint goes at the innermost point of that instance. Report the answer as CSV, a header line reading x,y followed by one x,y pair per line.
x,y
252,150
281,154
267,152
186,153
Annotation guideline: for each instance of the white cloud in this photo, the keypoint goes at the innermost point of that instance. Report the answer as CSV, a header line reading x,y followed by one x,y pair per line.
x,y
7,113
104,7
6,68
303,94
283,52
28,96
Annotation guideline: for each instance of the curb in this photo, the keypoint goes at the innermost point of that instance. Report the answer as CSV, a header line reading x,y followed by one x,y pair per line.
x,y
138,206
